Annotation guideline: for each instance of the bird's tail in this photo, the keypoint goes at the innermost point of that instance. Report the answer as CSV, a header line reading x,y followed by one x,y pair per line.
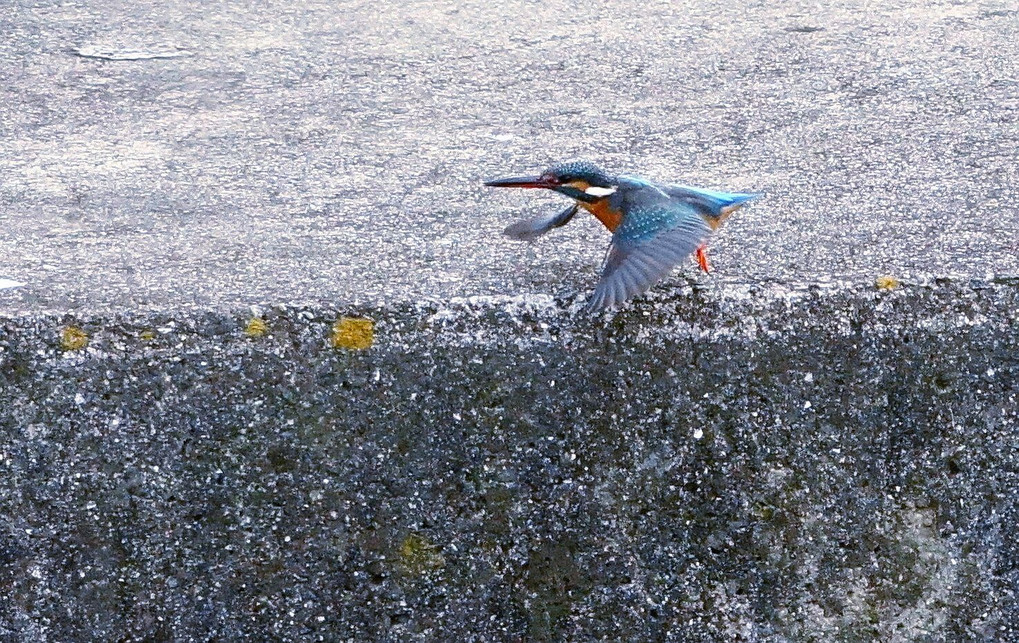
x,y
713,204
729,202
736,199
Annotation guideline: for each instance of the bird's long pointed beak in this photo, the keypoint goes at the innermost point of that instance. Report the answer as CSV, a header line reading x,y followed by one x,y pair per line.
x,y
522,182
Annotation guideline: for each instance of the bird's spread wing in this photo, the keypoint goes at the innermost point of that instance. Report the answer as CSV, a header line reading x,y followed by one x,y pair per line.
x,y
645,248
531,229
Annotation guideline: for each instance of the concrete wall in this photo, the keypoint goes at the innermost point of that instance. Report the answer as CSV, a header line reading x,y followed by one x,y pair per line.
x,y
766,464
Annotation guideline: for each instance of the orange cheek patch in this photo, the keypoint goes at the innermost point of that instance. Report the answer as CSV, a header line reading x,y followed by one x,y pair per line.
x,y
579,184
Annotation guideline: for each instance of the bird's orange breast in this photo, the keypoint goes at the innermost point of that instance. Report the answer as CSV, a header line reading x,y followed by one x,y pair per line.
x,y
600,209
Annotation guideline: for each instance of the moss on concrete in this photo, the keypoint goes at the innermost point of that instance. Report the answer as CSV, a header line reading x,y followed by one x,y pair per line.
x,y
73,338
351,333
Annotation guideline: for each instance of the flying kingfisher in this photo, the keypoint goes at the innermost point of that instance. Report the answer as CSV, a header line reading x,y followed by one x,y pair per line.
x,y
654,226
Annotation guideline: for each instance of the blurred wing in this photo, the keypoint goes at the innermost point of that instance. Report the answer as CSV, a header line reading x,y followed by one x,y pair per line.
x,y
531,229
633,266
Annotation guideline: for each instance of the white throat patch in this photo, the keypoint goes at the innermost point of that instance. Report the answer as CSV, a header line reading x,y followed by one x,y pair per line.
x,y
597,191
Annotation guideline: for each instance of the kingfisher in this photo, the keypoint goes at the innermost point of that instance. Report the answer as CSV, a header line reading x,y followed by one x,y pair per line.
x,y
654,226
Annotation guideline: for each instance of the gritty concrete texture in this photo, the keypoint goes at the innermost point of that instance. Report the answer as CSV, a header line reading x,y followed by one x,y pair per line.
x,y
269,372
334,151
787,465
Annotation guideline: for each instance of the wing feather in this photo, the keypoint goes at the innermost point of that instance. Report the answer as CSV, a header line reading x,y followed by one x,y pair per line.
x,y
531,229
635,264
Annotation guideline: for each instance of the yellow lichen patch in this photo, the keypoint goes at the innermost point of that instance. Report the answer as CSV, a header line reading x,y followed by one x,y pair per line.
x,y
256,328
73,338
353,333
417,555
147,335
886,282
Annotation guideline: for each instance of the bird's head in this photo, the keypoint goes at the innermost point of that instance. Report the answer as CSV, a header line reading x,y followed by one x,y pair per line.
x,y
580,180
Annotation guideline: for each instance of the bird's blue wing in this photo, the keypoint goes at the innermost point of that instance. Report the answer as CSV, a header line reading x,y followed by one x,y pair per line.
x,y
531,229
646,246
712,203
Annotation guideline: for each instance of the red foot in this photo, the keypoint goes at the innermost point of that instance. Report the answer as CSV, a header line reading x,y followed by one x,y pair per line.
x,y
702,258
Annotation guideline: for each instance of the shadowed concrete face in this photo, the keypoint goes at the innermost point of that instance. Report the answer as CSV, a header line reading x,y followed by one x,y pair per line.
x,y
786,466
335,151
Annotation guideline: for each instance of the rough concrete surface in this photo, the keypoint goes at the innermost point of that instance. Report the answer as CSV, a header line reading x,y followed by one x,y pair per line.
x,y
785,466
269,372
334,151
